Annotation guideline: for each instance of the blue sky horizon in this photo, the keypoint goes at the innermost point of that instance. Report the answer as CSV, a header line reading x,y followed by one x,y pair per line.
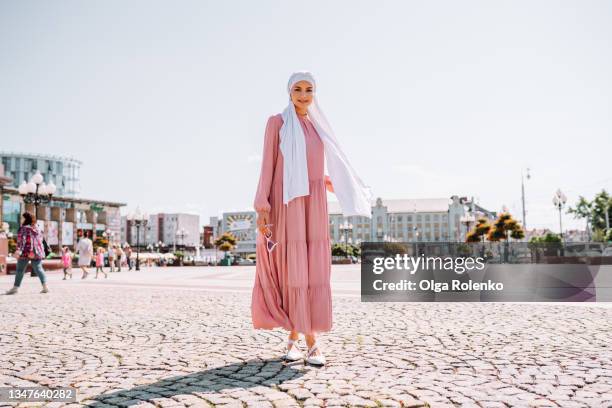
x,y
166,102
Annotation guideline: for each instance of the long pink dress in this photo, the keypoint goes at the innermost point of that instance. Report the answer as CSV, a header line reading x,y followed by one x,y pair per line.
x,y
292,284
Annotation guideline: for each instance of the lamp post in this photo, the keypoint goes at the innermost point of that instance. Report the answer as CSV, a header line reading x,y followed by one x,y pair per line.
x,y
139,219
467,219
108,234
523,197
345,228
607,215
180,235
36,191
559,200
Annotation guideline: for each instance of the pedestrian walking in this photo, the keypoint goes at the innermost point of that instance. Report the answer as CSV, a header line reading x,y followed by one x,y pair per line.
x,y
30,249
67,262
85,251
111,258
292,283
128,255
100,262
120,257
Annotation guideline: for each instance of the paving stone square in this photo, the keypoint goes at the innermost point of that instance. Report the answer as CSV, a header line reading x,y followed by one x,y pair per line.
x,y
182,337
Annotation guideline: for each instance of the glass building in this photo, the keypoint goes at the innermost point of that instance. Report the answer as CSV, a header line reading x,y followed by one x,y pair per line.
x,y
64,172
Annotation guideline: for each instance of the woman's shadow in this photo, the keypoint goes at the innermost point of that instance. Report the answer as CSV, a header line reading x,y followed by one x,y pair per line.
x,y
247,374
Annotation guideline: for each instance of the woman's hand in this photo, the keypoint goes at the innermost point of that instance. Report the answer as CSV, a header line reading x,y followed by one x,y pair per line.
x,y
263,218
328,184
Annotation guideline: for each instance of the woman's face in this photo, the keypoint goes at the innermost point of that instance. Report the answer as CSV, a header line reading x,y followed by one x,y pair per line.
x,y
301,95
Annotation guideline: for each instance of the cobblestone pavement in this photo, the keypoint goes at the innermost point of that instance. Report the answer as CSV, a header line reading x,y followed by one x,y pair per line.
x,y
126,345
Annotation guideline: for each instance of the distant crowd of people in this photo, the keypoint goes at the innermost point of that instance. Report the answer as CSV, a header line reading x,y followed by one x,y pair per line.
x,y
32,249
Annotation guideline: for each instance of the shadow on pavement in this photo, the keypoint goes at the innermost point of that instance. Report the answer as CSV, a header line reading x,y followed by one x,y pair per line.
x,y
247,374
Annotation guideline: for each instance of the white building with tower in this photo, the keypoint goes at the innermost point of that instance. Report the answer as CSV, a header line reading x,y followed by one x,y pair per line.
x,y
408,220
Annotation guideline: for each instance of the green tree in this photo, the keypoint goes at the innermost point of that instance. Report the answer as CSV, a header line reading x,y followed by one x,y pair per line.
x,y
601,204
100,241
339,249
480,230
180,256
356,250
549,237
12,245
504,228
595,213
225,243
583,209
549,244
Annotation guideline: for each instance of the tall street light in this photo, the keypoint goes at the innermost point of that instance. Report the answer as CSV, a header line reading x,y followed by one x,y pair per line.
x,y
345,228
139,219
559,201
36,191
607,215
523,197
108,234
180,235
467,219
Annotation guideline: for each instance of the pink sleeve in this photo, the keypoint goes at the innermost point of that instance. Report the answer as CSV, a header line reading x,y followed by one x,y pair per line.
x,y
268,162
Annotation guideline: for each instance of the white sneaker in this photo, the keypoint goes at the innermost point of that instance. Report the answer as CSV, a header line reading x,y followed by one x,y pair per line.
x,y
12,291
318,359
45,289
293,353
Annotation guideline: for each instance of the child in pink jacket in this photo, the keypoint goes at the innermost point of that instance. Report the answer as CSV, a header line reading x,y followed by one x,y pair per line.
x,y
100,262
67,262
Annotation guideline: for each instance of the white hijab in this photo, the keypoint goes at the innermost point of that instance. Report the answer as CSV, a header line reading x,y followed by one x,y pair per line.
x,y
353,195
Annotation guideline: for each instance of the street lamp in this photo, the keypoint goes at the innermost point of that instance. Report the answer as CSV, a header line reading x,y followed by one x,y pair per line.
x,y
559,200
467,219
139,219
607,216
108,234
36,191
523,197
158,246
180,235
345,228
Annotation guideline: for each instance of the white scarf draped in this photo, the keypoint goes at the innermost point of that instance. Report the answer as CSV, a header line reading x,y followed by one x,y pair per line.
x,y
353,195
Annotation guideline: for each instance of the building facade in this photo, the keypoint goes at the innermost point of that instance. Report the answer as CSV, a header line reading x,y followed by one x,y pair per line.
x,y
64,220
4,227
401,220
243,226
161,231
408,220
64,172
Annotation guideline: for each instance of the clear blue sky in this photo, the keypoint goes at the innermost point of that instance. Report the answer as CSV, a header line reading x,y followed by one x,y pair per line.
x,y
166,102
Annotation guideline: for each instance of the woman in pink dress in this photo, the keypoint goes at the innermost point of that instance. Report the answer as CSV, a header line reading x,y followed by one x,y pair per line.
x,y
292,286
